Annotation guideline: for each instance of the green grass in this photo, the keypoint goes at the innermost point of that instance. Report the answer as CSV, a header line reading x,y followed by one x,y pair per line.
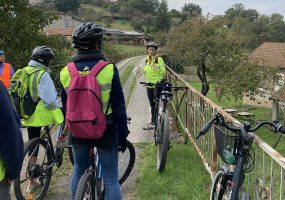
x,y
136,50
122,25
184,177
126,72
130,91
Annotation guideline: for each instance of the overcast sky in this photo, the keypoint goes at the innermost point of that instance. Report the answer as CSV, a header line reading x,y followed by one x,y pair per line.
x,y
220,6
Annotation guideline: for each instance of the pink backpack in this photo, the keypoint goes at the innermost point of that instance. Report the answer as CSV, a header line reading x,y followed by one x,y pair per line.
x,y
84,116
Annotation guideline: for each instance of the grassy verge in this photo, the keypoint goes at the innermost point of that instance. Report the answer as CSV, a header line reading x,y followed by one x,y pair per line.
x,y
130,91
127,71
184,177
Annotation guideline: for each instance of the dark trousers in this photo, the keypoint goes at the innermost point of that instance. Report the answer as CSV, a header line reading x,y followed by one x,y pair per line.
x,y
34,132
4,190
151,94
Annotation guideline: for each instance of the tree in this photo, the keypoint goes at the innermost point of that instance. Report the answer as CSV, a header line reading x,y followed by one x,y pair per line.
x,y
22,25
218,53
238,10
162,21
276,26
67,5
190,10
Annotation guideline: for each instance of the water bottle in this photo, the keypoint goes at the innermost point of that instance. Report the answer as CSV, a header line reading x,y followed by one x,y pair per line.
x,y
228,154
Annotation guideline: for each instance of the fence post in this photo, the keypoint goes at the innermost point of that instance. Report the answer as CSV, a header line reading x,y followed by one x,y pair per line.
x,y
214,164
185,139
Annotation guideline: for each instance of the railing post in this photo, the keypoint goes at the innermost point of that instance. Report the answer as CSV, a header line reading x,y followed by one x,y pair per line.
x,y
214,164
185,139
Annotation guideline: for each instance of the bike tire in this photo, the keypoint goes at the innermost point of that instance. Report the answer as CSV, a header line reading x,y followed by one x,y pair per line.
x,y
41,145
86,188
130,151
163,145
215,193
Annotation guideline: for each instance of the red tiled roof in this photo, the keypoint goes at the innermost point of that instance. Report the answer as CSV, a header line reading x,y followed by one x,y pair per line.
x,y
64,32
269,53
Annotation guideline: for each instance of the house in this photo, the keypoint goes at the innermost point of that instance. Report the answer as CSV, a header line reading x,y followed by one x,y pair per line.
x,y
64,21
61,32
269,54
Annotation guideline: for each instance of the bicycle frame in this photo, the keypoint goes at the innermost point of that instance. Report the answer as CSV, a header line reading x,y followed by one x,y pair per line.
x,y
241,150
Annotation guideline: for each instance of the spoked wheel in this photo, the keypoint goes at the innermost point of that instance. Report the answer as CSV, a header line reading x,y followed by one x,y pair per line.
x,y
126,162
86,189
219,189
163,141
35,176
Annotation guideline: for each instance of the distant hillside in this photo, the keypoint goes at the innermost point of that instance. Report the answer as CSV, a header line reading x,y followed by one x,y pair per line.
x,y
102,16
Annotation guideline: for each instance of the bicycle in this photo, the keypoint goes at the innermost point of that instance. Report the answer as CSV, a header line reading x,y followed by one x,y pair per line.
x,y
161,130
91,184
234,148
39,158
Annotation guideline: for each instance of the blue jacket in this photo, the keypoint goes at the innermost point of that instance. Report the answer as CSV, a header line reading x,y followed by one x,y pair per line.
x,y
11,141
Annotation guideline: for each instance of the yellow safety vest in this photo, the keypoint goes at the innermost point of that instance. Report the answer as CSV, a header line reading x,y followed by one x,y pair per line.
x,y
104,78
154,71
2,170
42,116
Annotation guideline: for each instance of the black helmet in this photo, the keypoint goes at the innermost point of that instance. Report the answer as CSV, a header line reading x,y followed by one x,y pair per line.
x,y
87,35
42,54
152,44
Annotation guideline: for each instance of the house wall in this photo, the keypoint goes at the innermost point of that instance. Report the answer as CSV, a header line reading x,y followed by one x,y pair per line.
x,y
65,21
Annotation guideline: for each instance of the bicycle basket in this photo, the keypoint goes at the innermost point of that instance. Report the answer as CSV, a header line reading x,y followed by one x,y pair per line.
x,y
225,142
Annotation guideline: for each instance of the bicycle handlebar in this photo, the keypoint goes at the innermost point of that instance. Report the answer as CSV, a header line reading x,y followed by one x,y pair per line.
x,y
161,85
219,120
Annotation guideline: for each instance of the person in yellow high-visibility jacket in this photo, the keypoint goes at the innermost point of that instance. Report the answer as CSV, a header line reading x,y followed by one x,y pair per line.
x,y
154,71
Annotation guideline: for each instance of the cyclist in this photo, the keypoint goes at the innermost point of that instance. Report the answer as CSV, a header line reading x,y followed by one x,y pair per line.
x,y
154,71
88,40
47,110
6,71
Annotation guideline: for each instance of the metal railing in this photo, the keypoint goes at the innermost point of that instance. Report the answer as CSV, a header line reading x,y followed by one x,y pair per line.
x,y
193,110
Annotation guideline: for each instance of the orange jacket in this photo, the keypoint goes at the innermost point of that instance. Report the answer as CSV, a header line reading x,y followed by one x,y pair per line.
x,y
6,75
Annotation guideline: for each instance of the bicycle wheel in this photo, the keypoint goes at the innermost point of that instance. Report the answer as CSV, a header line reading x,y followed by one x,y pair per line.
x,y
126,162
219,186
37,158
163,141
86,189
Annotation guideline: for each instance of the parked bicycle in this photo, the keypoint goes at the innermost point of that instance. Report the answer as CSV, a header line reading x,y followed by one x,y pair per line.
x,y
40,171
91,183
161,131
234,148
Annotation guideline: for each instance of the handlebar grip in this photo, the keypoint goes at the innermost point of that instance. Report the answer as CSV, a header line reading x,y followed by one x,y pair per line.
x,y
205,128
281,129
143,82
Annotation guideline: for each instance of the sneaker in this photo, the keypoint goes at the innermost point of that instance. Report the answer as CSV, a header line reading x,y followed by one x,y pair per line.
x,y
33,185
149,126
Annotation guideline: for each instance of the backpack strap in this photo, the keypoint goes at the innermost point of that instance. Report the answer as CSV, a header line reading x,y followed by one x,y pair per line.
x,y
72,70
98,67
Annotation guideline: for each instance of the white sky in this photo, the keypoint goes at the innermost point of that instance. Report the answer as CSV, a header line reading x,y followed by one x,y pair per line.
x,y
220,6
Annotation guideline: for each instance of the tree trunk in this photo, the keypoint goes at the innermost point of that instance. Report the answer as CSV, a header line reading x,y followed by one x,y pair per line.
x,y
201,72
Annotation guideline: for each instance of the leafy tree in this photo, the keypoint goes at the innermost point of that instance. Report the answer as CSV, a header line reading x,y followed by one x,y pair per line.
x,y
22,25
162,21
218,53
238,10
190,10
67,5
276,26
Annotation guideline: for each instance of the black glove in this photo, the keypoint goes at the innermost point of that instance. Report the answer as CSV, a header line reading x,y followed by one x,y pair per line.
x,y
122,144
